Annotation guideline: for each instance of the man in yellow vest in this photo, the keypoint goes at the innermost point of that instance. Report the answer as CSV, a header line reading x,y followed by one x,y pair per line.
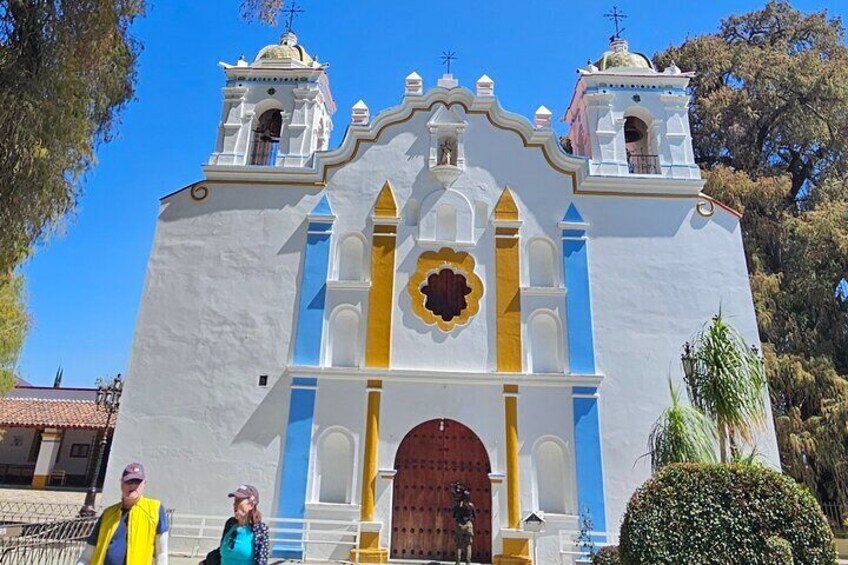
x,y
132,532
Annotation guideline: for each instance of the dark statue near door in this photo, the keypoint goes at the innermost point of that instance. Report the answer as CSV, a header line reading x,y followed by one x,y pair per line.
x,y
463,512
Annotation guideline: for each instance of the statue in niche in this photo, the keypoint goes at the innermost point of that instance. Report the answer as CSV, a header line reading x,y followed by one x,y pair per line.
x,y
446,152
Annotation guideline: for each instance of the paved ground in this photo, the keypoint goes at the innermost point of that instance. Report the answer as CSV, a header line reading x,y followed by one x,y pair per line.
x,y
41,496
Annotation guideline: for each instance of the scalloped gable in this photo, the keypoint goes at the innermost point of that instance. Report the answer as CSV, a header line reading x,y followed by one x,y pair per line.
x,y
356,135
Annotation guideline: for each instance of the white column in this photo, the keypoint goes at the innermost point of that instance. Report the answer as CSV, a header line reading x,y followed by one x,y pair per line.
x,y
51,440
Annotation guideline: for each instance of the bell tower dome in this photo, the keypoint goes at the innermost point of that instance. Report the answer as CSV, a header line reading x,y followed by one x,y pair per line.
x,y
631,119
277,110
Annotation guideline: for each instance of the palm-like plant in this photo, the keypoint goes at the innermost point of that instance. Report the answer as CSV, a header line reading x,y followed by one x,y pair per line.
x,y
682,434
725,381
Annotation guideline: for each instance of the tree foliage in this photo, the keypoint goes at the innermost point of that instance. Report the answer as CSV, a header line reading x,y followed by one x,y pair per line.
x,y
769,116
770,93
695,513
726,383
14,324
265,11
66,69
682,434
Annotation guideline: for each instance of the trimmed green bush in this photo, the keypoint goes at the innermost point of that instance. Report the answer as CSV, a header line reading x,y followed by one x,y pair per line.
x,y
607,556
697,513
779,551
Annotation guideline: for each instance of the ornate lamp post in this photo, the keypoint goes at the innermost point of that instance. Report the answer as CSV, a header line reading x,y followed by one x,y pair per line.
x,y
689,360
108,399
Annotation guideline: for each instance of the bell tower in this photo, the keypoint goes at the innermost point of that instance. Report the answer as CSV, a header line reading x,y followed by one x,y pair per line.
x,y
277,110
630,119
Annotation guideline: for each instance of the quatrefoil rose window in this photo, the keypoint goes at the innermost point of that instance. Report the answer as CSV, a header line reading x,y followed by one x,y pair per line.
x,y
444,290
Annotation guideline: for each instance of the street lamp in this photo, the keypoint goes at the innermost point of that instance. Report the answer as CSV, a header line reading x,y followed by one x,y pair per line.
x,y
690,367
108,399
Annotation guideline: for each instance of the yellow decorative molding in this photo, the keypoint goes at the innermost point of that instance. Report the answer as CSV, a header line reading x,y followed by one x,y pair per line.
x,y
370,460
515,552
506,209
378,342
431,262
386,205
39,482
369,550
513,484
508,294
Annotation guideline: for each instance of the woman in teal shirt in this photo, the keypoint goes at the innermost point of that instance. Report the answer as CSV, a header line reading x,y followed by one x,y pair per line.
x,y
245,538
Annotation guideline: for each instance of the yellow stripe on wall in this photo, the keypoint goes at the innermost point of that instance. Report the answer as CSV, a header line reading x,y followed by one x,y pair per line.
x,y
508,297
378,344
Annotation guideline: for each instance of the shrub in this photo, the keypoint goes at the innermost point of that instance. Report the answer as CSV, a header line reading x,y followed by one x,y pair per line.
x,y
779,551
607,556
697,513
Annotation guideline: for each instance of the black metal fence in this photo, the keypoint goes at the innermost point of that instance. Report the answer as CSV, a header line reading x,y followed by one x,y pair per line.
x,y
51,543
837,516
644,164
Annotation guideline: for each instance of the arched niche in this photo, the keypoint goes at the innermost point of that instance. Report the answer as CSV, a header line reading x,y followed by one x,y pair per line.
x,y
545,343
551,477
641,142
334,476
267,128
350,258
446,213
343,348
542,266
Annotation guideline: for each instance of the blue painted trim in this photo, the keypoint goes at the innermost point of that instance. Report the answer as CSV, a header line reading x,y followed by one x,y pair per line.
x,y
581,352
292,501
572,215
571,234
590,476
581,343
304,381
313,291
635,89
323,208
307,351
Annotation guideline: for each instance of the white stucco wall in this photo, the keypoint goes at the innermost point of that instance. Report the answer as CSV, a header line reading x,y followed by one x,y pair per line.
x,y
221,291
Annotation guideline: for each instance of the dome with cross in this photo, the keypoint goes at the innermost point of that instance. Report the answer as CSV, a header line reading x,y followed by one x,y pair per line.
x,y
619,56
287,51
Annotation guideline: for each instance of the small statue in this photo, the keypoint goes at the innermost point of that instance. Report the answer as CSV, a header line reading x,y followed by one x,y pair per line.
x,y
463,514
566,145
446,153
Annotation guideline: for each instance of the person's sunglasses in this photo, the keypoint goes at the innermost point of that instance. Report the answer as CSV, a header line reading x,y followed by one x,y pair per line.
x,y
231,543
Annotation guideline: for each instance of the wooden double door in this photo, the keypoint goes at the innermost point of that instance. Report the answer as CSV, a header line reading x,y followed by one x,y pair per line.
x,y
431,457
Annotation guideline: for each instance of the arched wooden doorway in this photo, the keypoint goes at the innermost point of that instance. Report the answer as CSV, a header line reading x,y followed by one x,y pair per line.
x,y
431,457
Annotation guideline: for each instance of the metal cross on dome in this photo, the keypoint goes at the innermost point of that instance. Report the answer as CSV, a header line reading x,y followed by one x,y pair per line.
x,y
292,11
447,58
616,16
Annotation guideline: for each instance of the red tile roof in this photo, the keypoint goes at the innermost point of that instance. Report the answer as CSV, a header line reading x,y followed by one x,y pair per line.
x,y
49,413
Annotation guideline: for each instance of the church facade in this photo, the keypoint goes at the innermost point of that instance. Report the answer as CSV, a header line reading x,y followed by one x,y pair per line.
x,y
452,294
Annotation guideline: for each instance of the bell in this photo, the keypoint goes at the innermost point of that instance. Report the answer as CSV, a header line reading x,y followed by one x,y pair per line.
x,y
631,132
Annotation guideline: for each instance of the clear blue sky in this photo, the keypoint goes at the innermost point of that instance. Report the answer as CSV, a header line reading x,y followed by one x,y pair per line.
x,y
84,286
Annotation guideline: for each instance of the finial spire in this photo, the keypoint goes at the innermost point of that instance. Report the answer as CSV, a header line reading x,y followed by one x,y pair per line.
x,y
447,58
292,11
616,17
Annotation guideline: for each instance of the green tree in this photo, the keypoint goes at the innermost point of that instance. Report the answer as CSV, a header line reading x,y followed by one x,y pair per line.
x,y
14,324
265,11
726,383
769,112
770,93
682,434
66,69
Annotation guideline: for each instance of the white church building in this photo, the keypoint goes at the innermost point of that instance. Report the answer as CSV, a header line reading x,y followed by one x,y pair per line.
x,y
452,294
